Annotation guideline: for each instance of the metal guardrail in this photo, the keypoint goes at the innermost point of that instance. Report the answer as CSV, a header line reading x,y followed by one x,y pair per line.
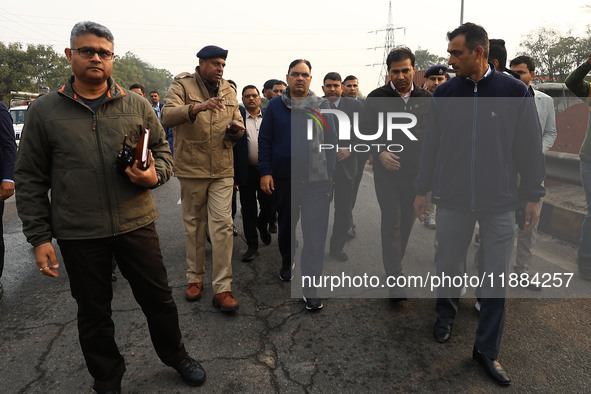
x,y
563,167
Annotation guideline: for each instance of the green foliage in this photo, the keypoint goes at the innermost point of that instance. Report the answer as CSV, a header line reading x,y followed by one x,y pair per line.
x,y
425,59
556,54
36,69
39,68
130,69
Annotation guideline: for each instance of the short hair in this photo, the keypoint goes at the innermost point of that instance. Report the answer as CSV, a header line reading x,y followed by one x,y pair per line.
x,y
155,91
400,53
298,61
498,51
233,83
279,82
528,60
350,78
87,27
475,36
250,87
138,86
332,75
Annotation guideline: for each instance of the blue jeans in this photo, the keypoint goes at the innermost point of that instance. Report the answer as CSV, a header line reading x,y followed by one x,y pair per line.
x,y
585,242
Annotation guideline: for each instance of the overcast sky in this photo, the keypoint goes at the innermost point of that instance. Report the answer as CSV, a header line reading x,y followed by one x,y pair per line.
x,y
263,37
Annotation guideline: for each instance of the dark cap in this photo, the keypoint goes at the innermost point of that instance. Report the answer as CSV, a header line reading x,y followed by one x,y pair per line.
x,y
269,84
438,69
212,51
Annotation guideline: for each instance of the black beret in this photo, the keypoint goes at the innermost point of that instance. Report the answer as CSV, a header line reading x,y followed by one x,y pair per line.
x,y
212,51
438,69
269,84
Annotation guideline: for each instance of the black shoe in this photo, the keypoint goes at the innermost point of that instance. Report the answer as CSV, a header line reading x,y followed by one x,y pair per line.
x,y
273,228
441,331
397,295
265,236
191,372
492,367
112,391
339,255
234,231
285,272
352,233
250,254
313,304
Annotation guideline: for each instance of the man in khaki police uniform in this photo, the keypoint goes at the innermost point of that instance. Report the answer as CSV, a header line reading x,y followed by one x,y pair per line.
x,y
203,110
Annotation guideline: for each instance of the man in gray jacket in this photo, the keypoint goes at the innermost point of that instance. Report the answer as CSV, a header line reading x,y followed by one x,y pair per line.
x,y
70,142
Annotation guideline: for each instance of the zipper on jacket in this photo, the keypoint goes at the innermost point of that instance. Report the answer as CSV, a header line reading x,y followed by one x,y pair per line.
x,y
103,165
473,205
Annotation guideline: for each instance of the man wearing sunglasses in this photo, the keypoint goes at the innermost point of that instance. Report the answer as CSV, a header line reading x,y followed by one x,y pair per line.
x,y
95,212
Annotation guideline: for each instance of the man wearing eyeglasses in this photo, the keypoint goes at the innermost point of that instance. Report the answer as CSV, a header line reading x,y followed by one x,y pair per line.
x,y
203,110
95,212
299,174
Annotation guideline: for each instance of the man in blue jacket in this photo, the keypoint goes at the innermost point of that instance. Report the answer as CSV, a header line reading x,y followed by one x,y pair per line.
x,y
298,172
482,131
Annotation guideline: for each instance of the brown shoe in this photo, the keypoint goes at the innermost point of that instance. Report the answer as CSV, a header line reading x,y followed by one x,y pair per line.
x,y
225,302
193,292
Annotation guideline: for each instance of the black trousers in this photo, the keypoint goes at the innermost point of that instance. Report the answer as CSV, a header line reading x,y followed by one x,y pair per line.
x,y
250,192
396,199
343,201
361,160
88,263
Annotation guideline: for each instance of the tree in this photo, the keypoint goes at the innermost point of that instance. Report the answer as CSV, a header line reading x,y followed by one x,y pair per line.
x,y
556,54
425,59
130,69
37,69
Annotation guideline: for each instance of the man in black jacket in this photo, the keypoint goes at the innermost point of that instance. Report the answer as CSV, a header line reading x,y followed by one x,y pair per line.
x,y
346,167
396,159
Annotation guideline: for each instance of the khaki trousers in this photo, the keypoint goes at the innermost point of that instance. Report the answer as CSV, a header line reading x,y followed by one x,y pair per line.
x,y
208,202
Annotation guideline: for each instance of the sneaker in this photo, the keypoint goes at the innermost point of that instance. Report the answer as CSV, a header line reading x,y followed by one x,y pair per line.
x,y
313,304
477,306
191,372
285,274
429,222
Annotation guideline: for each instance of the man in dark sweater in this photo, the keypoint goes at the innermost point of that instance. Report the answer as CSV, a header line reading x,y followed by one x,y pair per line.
x,y
394,172
482,132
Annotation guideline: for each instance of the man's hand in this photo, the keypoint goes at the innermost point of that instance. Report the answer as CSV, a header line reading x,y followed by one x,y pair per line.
x,y
390,161
46,259
343,154
6,190
420,204
234,127
532,215
145,178
215,104
267,184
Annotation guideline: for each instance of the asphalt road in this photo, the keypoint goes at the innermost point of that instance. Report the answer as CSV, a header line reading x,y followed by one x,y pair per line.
x,y
272,344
